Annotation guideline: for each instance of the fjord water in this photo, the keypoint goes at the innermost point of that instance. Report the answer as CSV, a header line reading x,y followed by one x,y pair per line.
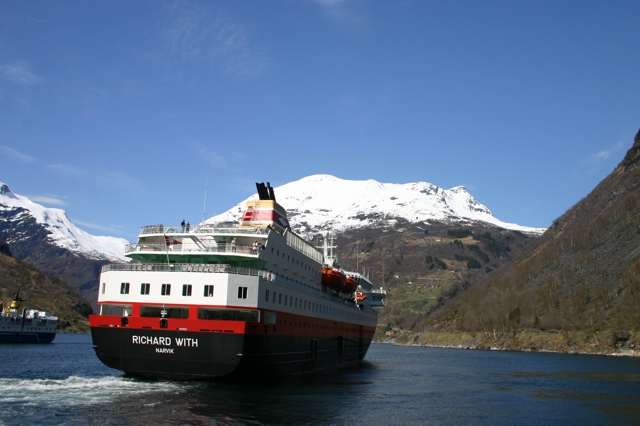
x,y
64,383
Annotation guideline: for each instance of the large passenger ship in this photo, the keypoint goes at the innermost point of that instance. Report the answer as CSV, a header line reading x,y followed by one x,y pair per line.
x,y
253,301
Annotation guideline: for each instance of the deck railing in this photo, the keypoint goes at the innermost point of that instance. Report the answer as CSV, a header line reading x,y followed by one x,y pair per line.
x,y
187,267
198,229
180,248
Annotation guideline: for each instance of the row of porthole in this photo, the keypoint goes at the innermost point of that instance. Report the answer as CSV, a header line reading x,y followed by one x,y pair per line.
x,y
289,301
304,265
304,325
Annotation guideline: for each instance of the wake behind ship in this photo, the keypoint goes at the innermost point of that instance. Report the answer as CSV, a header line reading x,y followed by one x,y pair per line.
x,y
254,301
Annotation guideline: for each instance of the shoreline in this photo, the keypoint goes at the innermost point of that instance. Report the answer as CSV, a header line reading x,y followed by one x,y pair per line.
x,y
570,343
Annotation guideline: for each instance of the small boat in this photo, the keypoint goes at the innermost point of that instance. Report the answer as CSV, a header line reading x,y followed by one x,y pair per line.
x,y
352,285
18,325
333,278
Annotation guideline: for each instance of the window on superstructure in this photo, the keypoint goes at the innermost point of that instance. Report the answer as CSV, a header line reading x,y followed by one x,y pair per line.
x,y
296,302
228,315
124,288
280,299
242,292
166,290
144,288
186,289
104,287
169,312
266,298
286,297
274,296
208,291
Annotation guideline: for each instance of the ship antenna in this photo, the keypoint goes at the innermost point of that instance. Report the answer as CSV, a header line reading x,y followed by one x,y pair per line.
x,y
206,186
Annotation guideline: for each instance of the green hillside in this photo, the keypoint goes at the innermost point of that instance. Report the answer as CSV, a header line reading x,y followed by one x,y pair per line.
x,y
581,276
43,292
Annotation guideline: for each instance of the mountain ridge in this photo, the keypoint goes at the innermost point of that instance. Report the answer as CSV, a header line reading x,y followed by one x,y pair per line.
x,y
325,202
61,231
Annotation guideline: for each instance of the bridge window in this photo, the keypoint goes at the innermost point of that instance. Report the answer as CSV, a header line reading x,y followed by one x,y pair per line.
x,y
266,299
124,288
186,289
144,288
208,291
166,290
242,292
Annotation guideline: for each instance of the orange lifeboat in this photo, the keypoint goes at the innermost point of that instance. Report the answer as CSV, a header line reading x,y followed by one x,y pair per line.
x,y
333,278
360,296
351,286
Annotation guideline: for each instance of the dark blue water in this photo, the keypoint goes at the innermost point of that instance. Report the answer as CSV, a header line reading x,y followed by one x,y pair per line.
x,y
64,384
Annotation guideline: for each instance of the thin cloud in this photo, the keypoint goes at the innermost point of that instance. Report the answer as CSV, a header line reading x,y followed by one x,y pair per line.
x,y
45,199
16,155
343,12
604,155
19,73
66,170
121,181
204,34
117,180
109,230
214,158
330,3
597,161
358,115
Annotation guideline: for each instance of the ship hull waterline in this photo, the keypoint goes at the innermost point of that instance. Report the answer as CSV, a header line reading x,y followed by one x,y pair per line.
x,y
27,337
183,355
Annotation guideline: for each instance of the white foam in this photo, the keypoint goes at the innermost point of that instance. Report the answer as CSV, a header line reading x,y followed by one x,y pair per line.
x,y
76,390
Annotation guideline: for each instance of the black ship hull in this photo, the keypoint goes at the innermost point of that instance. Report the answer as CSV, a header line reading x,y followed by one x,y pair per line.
x,y
27,337
182,355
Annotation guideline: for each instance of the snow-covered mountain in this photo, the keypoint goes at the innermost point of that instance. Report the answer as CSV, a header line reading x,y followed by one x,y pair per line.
x,y
322,202
60,231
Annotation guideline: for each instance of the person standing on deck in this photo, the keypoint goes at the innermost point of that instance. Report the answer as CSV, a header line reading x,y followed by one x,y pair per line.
x,y
182,225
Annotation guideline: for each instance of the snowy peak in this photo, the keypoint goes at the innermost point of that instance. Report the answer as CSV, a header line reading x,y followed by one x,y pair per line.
x,y
4,190
322,202
60,230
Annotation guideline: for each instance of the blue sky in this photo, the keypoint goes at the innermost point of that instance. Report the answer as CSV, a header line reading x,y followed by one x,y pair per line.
x,y
115,110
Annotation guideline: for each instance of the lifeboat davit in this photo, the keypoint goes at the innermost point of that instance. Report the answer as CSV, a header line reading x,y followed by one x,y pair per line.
x,y
333,278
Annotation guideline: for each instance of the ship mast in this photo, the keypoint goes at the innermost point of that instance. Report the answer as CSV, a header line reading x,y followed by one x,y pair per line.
x,y
206,186
327,248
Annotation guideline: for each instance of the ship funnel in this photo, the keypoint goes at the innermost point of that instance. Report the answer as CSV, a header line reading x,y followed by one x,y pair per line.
x,y
272,195
264,212
16,303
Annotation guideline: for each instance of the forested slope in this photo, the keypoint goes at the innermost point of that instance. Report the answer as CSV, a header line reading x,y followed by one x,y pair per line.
x,y
582,274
